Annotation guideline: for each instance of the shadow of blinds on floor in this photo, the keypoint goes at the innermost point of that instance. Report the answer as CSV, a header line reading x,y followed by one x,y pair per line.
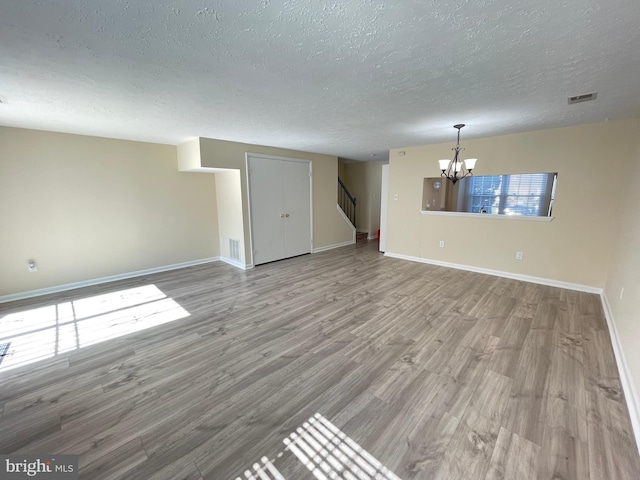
x,y
327,452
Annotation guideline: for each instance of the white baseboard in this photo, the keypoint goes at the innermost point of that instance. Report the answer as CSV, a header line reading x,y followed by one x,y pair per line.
x,y
96,281
630,393
331,247
236,263
372,237
498,273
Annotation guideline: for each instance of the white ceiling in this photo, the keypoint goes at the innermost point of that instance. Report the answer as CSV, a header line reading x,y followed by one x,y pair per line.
x,y
348,78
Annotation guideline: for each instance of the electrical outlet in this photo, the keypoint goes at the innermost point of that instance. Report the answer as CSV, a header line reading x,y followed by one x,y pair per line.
x,y
441,243
518,255
31,264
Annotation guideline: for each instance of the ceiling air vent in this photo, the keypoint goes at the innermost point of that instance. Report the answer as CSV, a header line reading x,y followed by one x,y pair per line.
x,y
583,98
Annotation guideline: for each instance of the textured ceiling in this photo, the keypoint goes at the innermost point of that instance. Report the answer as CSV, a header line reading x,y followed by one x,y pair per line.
x,y
350,78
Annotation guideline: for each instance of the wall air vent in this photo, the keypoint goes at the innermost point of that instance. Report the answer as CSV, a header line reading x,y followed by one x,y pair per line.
x,y
234,249
583,98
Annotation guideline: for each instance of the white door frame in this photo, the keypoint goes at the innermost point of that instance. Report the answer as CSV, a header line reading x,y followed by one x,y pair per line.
x,y
249,155
384,193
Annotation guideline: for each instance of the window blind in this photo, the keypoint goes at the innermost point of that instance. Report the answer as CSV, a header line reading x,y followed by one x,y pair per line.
x,y
528,194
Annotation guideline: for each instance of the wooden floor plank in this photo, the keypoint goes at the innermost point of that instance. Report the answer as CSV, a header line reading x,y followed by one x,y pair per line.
x,y
514,457
427,444
437,373
563,456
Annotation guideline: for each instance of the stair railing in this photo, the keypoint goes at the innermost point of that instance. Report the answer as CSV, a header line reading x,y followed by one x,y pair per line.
x,y
347,202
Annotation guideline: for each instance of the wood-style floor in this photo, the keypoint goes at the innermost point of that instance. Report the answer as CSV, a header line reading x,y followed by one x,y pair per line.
x,y
437,373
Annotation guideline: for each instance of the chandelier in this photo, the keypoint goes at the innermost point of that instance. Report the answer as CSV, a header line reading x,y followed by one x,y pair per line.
x,y
456,169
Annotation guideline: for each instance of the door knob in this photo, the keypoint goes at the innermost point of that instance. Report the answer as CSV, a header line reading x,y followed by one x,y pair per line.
x,y
282,215
286,215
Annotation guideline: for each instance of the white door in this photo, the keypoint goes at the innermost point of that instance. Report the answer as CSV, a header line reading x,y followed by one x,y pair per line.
x,y
280,196
297,207
265,190
384,192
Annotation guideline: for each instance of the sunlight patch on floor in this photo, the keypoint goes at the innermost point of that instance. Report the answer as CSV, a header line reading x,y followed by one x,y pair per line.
x,y
327,452
45,332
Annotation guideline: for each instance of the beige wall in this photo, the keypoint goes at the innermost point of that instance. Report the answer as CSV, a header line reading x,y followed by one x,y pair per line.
x,y
364,180
87,207
356,180
230,217
189,155
341,165
574,247
625,267
329,228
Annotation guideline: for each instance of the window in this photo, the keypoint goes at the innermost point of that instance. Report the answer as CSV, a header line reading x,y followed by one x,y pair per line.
x,y
527,194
